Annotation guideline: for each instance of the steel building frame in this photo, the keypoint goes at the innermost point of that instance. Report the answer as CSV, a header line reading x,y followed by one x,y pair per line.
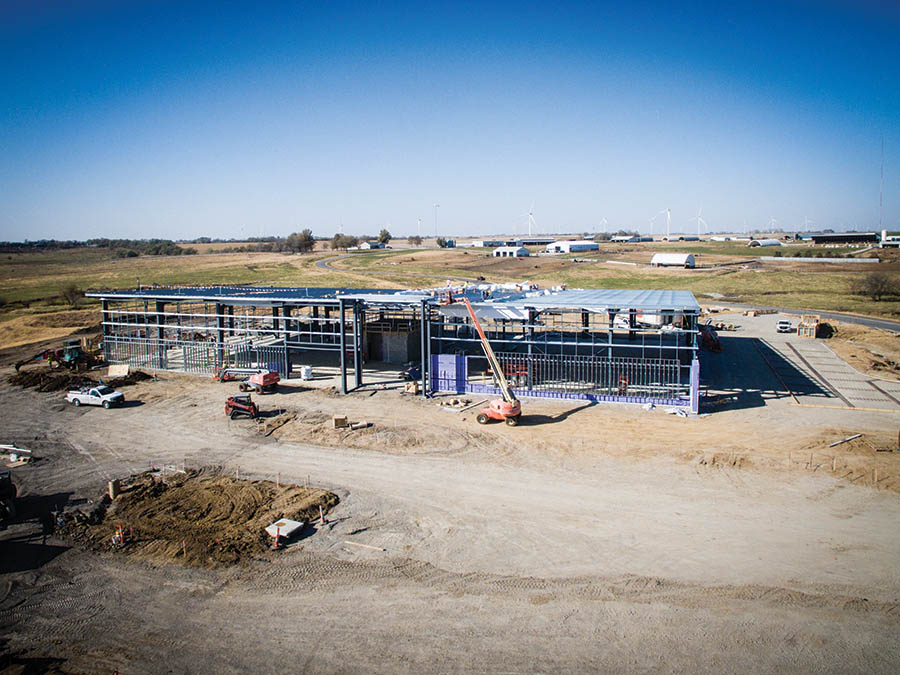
x,y
605,345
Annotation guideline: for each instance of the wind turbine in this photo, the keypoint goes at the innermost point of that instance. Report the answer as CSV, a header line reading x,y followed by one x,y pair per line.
x,y
668,213
699,219
530,216
603,222
772,223
806,223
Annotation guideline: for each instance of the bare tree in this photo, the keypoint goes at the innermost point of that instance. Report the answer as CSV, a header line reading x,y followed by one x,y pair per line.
x,y
71,294
876,285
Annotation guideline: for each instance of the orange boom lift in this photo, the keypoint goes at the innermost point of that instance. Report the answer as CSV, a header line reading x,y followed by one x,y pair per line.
x,y
508,409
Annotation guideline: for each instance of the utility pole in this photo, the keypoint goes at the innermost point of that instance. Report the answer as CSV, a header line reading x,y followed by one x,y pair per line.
x,y
881,190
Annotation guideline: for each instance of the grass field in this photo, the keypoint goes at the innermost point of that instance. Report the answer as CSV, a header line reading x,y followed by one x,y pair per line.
x,y
34,281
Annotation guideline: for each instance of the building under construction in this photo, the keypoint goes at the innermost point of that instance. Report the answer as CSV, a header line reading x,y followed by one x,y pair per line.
x,y
633,346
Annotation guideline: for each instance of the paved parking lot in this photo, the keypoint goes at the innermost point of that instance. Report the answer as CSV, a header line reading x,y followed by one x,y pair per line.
x,y
758,363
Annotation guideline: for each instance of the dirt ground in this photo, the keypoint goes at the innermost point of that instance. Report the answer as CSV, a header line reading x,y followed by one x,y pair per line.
x,y
871,351
590,537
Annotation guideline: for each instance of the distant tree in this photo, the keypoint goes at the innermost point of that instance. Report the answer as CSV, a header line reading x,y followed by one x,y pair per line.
x,y
441,242
876,285
384,236
71,294
343,241
602,236
414,240
300,242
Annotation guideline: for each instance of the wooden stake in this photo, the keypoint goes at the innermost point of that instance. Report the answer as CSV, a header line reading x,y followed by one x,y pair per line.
x,y
278,479
833,461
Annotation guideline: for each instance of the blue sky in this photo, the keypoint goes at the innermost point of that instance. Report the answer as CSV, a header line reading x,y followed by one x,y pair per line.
x,y
184,119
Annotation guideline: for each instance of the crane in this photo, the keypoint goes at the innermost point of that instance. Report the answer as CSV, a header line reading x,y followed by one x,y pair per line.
x,y
507,409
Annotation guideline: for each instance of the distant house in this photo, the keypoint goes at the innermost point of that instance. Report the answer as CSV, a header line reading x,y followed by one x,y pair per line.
x,y
685,260
511,252
368,245
572,246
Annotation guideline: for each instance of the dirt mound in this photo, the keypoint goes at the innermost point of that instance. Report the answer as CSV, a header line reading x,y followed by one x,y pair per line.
x,y
46,380
133,377
49,380
198,519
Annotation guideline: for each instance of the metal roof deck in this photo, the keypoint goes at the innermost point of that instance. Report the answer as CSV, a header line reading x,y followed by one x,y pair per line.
x,y
593,300
604,299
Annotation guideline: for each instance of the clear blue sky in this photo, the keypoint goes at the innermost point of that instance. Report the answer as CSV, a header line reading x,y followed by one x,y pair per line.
x,y
180,119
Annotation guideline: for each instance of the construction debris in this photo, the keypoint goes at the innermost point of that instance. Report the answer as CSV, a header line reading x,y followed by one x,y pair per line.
x,y
845,440
373,548
339,422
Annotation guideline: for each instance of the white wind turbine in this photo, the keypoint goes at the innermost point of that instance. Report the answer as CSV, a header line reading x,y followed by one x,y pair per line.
x,y
806,223
700,221
653,221
603,222
772,223
531,220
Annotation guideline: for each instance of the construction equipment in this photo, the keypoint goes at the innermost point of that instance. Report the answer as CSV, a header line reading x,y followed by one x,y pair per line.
x,y
508,409
241,406
264,382
70,355
232,374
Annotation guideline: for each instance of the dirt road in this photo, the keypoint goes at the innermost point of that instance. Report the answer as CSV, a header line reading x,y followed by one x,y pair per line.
x,y
570,544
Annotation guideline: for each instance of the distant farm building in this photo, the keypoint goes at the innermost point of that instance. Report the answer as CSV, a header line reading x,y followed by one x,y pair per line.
x,y
889,240
486,243
367,245
764,242
571,247
530,241
511,252
845,238
673,260
628,239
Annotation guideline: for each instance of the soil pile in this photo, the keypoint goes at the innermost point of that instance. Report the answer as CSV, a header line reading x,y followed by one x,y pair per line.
x,y
133,377
49,380
199,519
46,380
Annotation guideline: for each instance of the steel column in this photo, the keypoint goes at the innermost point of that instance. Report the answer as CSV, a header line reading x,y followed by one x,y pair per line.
x,y
343,342
422,346
357,356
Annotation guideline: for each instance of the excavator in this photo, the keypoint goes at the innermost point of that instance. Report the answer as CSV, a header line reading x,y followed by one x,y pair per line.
x,y
71,355
506,409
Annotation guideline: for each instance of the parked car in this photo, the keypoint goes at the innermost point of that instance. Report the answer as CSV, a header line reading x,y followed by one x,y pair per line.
x,y
784,326
99,395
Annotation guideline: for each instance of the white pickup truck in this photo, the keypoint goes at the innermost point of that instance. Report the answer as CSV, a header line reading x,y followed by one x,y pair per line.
x,y
99,395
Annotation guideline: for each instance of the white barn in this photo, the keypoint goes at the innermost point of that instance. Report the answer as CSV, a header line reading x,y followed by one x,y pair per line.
x,y
765,242
685,260
572,246
511,252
